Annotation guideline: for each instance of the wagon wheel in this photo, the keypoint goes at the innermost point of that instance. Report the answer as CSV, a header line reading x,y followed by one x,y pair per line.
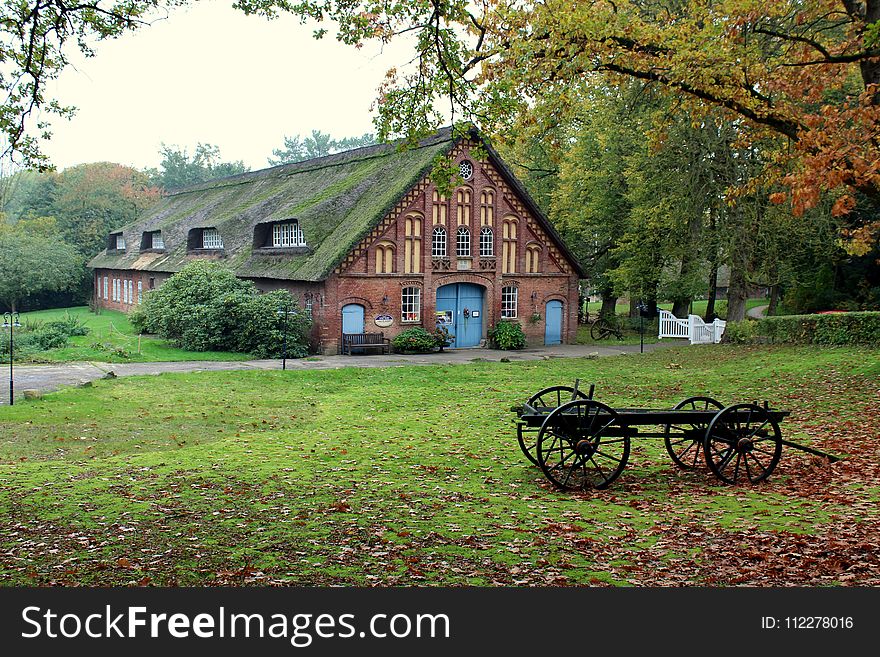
x,y
580,446
685,450
549,398
602,328
742,441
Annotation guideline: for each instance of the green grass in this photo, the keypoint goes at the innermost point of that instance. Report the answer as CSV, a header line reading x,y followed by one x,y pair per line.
x,y
412,476
112,339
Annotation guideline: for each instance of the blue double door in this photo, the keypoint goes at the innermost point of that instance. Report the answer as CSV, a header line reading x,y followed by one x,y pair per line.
x,y
463,304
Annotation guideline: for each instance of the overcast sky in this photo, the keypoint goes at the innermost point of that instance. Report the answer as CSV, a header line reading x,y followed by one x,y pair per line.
x,y
210,74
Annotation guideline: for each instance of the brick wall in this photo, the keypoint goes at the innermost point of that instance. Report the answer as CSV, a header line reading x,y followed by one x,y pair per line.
x,y
145,278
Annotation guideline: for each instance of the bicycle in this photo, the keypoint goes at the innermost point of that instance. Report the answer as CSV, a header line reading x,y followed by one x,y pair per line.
x,y
602,328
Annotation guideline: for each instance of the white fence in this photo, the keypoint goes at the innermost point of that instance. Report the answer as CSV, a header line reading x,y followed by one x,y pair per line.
x,y
693,328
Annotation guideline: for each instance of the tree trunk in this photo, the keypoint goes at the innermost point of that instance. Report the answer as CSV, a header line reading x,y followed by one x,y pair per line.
x,y
709,317
681,308
774,300
609,303
736,292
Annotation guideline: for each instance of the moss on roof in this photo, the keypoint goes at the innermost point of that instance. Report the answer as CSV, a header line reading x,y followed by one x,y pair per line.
x,y
336,199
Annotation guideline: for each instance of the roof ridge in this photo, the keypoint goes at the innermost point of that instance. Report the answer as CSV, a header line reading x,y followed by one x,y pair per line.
x,y
361,154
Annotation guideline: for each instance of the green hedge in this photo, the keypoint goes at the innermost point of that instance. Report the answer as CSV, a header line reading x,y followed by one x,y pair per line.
x,y
855,328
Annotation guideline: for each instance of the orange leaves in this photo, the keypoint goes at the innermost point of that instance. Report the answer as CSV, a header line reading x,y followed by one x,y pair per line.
x,y
843,205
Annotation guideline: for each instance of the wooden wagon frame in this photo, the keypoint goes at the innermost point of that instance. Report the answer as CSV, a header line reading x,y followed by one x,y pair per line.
x,y
580,443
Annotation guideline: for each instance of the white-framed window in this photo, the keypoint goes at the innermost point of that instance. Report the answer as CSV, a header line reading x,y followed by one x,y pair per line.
x,y
509,298
463,242
438,242
106,291
157,241
466,169
211,239
140,292
411,304
125,298
309,306
115,295
120,242
287,234
487,242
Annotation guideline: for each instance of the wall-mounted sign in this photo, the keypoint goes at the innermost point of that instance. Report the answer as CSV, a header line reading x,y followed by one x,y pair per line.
x,y
444,317
475,313
383,321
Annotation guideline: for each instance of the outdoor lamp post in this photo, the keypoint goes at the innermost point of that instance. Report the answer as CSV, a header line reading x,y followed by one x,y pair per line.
x,y
10,321
284,312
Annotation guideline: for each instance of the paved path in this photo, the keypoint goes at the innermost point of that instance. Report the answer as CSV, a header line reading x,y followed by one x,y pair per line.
x,y
758,312
51,377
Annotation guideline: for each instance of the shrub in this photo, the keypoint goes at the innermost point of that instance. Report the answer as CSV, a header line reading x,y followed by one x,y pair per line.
x,y
442,337
857,328
416,340
36,336
205,307
507,335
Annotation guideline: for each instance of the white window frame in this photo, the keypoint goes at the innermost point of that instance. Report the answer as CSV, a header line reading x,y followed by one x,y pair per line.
x,y
211,239
439,241
140,292
308,306
106,291
156,240
411,305
487,242
120,242
463,242
466,169
509,301
287,234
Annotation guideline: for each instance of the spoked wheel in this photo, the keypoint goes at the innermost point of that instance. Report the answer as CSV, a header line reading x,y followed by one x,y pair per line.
x,y
686,447
549,398
742,441
581,446
602,329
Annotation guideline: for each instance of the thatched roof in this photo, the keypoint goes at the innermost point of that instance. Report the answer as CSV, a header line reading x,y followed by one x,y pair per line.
x,y
337,200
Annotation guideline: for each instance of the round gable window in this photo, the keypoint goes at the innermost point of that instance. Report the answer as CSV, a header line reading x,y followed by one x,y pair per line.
x,y
466,169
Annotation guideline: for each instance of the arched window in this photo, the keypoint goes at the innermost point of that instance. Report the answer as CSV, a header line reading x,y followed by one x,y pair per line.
x,y
487,242
487,207
384,258
412,255
463,242
438,242
508,248
411,304
533,252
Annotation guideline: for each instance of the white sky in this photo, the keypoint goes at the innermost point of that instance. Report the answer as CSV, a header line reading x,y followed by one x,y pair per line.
x,y
210,74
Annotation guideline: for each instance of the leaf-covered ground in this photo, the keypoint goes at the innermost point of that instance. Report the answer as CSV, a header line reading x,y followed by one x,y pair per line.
x,y
412,476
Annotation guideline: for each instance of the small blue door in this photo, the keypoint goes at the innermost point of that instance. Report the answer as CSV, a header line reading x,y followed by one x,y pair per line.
x,y
553,323
353,318
464,302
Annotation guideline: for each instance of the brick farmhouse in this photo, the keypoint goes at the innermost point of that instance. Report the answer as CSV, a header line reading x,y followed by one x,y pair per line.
x,y
366,243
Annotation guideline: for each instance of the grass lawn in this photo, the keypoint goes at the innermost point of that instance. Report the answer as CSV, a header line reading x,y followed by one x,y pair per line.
x,y
412,476
112,339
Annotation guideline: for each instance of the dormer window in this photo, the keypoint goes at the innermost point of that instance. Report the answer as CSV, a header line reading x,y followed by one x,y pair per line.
x,y
287,234
204,239
152,241
211,239
116,242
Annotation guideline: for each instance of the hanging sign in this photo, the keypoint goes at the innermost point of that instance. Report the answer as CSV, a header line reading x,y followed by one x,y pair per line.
x,y
383,321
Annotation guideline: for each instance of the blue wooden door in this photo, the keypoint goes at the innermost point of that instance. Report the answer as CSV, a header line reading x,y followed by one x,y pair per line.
x,y
464,301
353,318
553,323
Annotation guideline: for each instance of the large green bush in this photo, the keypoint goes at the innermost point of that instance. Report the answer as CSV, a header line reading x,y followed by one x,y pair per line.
x,y
856,328
414,340
205,307
507,335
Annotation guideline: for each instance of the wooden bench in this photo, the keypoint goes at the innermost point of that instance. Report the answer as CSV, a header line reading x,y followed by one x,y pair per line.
x,y
365,341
